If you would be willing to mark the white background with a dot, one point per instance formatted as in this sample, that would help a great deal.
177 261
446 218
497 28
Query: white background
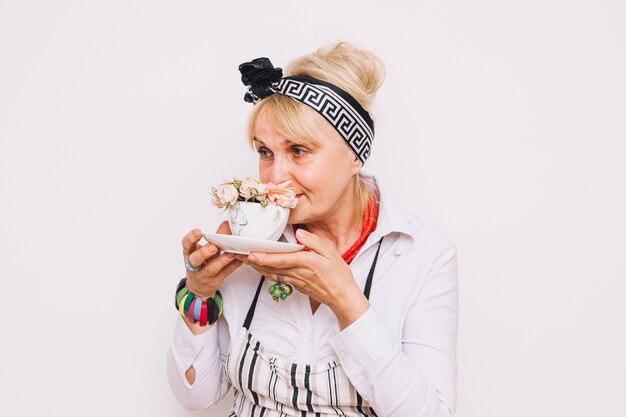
502 122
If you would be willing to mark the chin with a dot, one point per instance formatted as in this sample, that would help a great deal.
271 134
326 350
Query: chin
294 218
297 216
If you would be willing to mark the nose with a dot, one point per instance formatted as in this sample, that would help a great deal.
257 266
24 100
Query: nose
280 170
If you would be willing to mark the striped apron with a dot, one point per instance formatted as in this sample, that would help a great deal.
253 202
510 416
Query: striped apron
267 386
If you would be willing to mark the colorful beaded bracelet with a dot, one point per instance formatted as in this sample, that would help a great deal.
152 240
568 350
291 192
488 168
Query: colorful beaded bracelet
195 308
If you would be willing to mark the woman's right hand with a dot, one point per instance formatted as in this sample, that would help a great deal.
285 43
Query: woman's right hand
215 267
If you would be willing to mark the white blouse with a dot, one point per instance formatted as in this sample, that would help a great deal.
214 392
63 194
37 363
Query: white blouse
400 355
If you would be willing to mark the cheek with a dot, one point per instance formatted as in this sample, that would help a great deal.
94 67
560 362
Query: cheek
325 181
264 173
314 179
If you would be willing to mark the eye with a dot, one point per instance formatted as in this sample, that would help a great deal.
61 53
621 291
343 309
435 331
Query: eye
263 152
299 151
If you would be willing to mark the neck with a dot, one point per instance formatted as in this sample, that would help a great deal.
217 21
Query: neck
343 227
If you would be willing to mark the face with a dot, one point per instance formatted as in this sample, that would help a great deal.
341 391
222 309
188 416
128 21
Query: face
320 175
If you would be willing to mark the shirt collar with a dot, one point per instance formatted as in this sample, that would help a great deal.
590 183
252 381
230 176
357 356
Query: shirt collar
391 219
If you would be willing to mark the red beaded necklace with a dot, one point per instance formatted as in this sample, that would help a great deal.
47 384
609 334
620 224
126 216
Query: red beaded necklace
370 219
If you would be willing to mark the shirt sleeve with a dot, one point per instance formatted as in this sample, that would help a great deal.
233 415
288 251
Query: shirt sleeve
414 376
203 352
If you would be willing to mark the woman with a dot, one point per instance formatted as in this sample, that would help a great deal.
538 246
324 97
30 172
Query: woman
370 328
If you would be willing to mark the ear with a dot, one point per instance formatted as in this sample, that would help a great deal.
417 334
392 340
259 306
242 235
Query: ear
356 165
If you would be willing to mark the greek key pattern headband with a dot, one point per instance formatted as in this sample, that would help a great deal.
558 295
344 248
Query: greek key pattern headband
338 107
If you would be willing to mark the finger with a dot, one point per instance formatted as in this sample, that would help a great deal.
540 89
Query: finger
241 257
190 241
267 273
214 266
316 244
223 229
202 254
278 260
295 282
228 269
264 270
274 277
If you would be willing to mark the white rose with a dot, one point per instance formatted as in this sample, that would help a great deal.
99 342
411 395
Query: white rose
228 194
287 201
260 192
260 188
247 186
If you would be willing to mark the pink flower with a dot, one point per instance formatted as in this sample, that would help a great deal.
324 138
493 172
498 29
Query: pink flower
227 194
250 188
287 201
281 195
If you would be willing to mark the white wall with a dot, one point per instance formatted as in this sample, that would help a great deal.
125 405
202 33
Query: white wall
503 122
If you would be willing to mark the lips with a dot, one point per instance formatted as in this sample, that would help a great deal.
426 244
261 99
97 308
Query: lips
299 195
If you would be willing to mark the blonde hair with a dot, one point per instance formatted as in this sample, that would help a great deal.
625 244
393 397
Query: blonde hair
357 71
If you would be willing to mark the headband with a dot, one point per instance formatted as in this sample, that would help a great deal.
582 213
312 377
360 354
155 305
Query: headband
337 106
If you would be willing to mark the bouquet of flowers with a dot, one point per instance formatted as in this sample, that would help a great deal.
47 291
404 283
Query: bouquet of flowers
251 190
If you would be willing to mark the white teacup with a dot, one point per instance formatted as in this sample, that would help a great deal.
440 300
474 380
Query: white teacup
248 219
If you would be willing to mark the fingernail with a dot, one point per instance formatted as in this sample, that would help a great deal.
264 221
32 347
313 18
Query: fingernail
301 232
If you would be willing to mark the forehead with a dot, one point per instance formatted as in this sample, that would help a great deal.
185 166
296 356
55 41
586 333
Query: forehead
300 124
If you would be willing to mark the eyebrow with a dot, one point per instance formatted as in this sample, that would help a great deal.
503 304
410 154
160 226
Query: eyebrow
255 139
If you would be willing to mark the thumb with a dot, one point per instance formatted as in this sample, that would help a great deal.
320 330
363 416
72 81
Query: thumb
224 228
313 242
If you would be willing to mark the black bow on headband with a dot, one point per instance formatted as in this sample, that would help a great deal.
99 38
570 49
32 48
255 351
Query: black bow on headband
259 74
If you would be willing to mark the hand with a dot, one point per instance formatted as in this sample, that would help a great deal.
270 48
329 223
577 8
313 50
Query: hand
205 282
320 273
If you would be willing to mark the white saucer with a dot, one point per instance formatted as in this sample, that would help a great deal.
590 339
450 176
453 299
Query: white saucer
245 245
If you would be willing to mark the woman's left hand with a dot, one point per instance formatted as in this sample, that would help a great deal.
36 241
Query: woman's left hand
320 273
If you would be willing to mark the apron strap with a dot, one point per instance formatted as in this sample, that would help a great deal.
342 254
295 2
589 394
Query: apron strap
370 276
246 323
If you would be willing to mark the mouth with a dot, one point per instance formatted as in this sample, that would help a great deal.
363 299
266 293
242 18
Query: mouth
299 195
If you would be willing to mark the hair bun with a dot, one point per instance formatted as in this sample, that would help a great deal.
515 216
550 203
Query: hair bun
356 70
